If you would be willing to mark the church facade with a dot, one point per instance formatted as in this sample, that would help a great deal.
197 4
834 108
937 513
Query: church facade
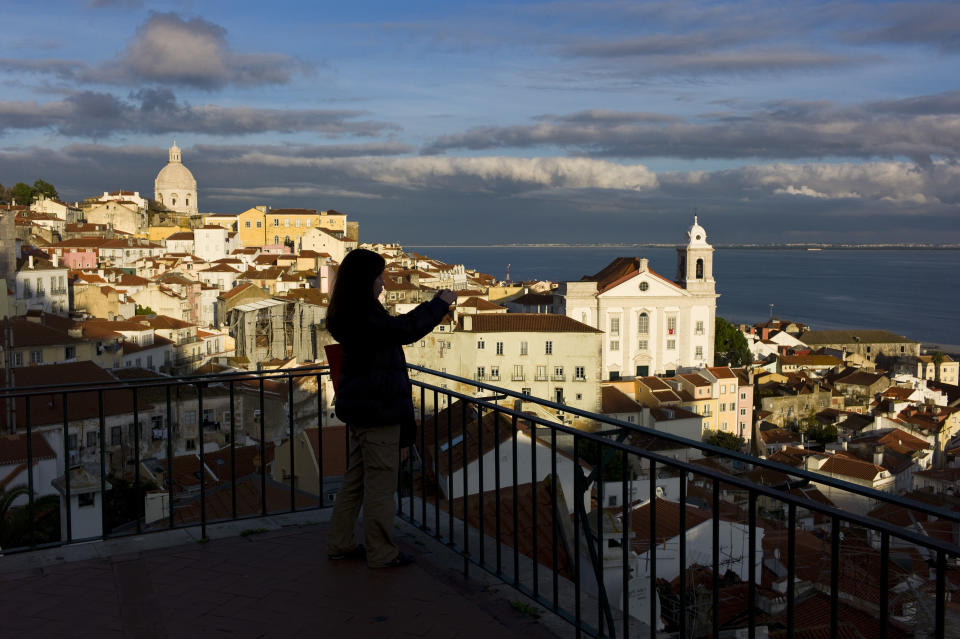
651 325
175 187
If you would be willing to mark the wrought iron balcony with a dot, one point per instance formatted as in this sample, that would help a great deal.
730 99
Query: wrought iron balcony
684 547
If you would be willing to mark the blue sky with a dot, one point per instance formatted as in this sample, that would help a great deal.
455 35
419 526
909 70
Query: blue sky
435 122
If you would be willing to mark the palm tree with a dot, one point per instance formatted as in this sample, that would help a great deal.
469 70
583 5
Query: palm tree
35 523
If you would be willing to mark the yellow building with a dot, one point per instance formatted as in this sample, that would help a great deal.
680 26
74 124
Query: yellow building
261 225
162 232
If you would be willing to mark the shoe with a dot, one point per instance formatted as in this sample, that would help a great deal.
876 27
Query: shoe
402 559
357 553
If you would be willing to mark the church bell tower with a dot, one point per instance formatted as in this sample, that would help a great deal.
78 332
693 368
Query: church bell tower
695 262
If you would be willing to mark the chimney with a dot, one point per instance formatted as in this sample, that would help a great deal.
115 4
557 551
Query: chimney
643 264
467 322
31 260
878 456
56 260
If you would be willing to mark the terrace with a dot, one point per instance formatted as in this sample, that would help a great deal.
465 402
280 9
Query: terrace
609 529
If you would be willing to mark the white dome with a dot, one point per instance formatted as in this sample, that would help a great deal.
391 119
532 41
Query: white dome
175 186
697 235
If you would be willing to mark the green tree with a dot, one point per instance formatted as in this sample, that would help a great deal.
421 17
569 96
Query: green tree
38 523
823 434
591 451
724 440
729 345
22 193
44 188
125 501
144 310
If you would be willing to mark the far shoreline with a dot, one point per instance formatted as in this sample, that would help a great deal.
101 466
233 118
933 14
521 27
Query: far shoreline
785 247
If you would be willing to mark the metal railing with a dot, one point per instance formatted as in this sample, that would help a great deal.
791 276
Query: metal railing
541 520
611 570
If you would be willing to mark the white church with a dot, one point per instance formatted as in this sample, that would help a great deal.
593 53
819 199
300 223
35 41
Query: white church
175 187
652 325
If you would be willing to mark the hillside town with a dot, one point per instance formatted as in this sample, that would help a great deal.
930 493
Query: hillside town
122 287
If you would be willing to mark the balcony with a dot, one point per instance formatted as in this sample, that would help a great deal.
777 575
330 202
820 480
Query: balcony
551 521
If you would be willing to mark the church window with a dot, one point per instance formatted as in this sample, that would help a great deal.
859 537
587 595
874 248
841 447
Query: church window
699 329
297 222
276 239
188 200
643 345
643 324
671 325
699 352
548 347
644 286
671 344
700 268
614 345
614 325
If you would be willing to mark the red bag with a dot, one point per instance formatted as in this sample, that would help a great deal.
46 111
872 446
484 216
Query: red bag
335 359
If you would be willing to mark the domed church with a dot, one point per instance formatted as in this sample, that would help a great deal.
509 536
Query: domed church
175 187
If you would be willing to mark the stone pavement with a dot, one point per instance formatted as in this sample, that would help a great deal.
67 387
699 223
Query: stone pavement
276 582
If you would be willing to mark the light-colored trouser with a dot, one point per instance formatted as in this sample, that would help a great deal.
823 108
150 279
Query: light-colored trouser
370 482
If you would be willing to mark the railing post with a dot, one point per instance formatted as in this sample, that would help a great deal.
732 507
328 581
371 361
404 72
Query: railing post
652 552
293 473
263 451
30 500
169 456
103 464
203 469
233 453
66 466
136 461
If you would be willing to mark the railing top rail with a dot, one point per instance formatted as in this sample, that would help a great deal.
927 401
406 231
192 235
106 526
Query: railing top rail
707 448
160 381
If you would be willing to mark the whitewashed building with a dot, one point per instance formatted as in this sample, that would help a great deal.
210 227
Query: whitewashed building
652 326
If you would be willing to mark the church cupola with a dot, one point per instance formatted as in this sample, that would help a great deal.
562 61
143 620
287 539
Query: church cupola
695 262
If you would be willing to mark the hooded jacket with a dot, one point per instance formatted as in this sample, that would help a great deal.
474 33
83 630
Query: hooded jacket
374 389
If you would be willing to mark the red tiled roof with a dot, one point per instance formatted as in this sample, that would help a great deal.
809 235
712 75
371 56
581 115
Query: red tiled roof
613 400
13 448
527 322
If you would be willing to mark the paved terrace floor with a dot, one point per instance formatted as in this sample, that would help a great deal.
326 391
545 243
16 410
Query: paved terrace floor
276 583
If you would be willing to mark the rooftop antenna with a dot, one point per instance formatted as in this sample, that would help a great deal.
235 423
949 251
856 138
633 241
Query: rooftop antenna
508 273
771 312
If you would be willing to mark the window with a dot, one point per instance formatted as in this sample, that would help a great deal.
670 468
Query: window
72 441
86 500
699 329
495 372
579 372
523 348
92 438
518 372
70 352
276 221
36 357
743 411
276 239
189 417
698 352
579 395
246 224
286 221
115 436
481 373
671 325
480 344
743 395
39 287
643 324
558 371
614 325
643 345
296 222
644 286
541 373
548 348
259 224
671 344
526 391
190 444
499 348
307 223
614 345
